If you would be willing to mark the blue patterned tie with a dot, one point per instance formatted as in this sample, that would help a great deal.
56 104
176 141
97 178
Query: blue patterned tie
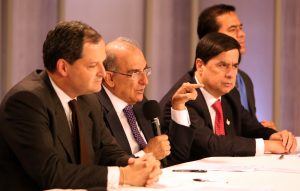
242 89
128 110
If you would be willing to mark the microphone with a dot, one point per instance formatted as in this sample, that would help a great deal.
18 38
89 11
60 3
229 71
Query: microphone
151 112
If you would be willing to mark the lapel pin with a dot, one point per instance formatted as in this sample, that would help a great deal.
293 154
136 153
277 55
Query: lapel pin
227 122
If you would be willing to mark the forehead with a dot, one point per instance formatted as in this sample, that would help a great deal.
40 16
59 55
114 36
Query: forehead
131 59
228 57
228 19
92 49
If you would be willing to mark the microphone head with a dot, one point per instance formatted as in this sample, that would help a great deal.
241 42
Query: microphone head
151 109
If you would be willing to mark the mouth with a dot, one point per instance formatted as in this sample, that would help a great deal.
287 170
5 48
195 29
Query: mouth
228 84
141 91
242 43
99 80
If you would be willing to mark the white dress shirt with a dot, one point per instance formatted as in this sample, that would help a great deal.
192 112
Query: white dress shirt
119 105
210 100
113 174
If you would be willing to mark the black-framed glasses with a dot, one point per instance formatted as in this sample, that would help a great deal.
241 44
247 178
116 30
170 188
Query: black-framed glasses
135 74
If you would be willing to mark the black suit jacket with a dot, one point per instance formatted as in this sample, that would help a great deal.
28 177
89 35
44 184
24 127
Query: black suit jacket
249 92
113 123
35 141
199 141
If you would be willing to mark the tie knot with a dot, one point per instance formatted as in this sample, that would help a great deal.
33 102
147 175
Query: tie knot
73 104
128 109
217 105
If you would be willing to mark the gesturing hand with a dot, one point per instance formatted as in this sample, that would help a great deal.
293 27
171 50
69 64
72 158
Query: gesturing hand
185 93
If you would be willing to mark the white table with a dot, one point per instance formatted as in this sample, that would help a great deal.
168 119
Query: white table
266 172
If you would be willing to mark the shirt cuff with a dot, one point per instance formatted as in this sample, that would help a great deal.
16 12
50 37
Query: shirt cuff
113 177
139 154
181 117
260 147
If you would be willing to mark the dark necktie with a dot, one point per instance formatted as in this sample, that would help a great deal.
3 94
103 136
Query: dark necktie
242 90
128 111
79 135
219 122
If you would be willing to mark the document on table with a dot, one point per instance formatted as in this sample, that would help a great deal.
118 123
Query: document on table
288 164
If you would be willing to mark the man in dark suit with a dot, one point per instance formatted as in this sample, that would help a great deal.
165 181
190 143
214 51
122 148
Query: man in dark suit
229 130
125 83
39 141
223 18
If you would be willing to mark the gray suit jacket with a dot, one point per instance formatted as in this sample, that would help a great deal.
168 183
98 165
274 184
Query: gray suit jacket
35 141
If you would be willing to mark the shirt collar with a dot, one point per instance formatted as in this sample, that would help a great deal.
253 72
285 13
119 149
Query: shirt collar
117 103
210 99
63 97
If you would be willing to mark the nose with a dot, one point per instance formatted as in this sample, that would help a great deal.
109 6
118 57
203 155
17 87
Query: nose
231 71
143 78
241 33
101 70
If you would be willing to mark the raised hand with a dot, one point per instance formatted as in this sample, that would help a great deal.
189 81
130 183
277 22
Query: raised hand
185 93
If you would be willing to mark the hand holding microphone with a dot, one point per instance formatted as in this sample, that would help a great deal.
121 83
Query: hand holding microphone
158 145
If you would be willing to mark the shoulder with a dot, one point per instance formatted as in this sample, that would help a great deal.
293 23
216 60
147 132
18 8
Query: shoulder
233 97
245 76
33 88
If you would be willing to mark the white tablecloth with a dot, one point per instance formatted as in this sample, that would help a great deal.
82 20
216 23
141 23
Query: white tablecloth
266 172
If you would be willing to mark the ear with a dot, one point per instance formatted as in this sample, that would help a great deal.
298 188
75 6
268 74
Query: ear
62 67
109 80
199 65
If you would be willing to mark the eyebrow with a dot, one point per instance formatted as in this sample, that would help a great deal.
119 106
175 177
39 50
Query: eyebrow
137 70
236 26
223 62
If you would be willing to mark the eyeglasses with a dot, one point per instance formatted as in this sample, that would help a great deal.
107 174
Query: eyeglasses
135 74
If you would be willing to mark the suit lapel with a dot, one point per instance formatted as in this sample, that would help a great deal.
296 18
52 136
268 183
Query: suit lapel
199 104
113 123
62 125
203 108
228 116
144 124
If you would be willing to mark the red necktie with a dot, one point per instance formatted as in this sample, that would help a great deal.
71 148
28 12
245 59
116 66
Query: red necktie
219 122
79 135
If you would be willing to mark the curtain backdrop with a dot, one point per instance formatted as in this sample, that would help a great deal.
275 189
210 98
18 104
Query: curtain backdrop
165 29
290 67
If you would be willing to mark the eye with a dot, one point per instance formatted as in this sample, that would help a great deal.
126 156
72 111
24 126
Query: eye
223 65
235 66
93 65
232 30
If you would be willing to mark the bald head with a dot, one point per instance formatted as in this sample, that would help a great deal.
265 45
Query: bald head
118 50
127 71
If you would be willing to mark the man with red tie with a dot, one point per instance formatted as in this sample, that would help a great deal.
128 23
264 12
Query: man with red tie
219 124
